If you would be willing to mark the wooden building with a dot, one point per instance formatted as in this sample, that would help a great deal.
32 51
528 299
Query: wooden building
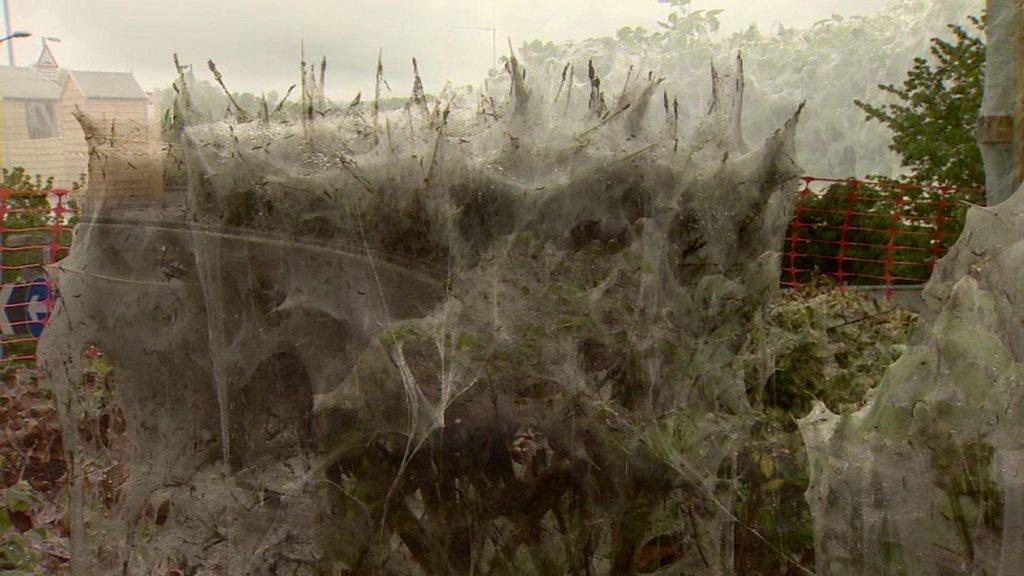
39 130
122 134
30 125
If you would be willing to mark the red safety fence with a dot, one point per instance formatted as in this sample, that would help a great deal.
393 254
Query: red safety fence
35 230
858 232
873 233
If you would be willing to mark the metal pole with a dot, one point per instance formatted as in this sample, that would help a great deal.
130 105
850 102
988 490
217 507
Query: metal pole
7 32
493 29
1017 75
999 124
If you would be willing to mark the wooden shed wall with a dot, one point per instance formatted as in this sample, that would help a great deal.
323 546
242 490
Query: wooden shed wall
76 153
45 156
128 159
129 165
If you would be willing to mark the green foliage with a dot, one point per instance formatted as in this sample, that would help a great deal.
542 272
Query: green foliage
828 65
688 24
18 556
935 111
29 222
832 346
920 222
774 521
932 121
826 345
29 213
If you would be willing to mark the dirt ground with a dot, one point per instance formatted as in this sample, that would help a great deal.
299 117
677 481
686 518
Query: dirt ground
33 478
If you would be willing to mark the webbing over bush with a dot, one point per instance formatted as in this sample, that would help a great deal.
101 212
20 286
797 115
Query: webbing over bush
858 232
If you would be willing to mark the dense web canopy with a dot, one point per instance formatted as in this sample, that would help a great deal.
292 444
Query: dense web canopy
519 330
468 336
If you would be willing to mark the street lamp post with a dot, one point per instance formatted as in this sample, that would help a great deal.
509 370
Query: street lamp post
7 30
1000 128
16 34
9 34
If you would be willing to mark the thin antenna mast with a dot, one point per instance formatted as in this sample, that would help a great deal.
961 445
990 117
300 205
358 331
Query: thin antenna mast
493 29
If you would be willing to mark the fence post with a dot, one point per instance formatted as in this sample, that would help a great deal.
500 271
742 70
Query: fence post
890 246
55 234
794 238
940 218
851 200
3 247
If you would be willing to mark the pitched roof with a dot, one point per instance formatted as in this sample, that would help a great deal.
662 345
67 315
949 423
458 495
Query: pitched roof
46 58
116 85
26 84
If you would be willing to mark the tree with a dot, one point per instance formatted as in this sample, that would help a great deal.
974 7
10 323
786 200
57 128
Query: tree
893 233
936 109
687 23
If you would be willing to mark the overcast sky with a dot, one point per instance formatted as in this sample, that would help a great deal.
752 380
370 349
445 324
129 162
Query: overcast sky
256 42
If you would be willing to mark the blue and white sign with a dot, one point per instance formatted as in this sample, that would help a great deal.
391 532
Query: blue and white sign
25 307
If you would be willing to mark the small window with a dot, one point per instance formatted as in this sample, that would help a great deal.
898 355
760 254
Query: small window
42 122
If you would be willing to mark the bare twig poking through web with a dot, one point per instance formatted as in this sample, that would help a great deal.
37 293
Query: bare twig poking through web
184 105
280 105
675 123
435 115
568 93
605 121
636 119
520 93
624 94
407 110
242 114
376 95
671 118
303 93
597 106
322 88
314 90
562 83
599 111
437 145
418 97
